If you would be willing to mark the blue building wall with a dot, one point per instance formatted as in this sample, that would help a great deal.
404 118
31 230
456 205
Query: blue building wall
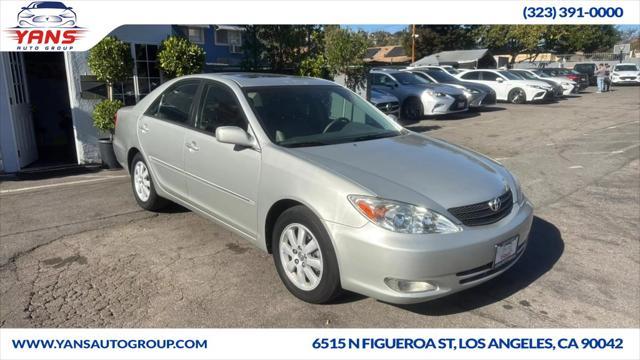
214 54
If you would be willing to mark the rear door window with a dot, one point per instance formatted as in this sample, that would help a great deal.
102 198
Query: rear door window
176 103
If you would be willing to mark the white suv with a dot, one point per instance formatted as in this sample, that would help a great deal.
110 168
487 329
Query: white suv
509 87
625 74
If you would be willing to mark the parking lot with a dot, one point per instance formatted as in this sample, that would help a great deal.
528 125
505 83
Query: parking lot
77 251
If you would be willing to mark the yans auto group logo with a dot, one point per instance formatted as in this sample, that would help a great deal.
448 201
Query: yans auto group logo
46 25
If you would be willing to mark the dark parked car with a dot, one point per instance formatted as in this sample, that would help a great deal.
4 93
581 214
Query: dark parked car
588 69
581 79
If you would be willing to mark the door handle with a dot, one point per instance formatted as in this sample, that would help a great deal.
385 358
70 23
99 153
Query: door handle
192 146
144 128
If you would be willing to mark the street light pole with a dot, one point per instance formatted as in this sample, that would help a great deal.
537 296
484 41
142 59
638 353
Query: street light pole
413 43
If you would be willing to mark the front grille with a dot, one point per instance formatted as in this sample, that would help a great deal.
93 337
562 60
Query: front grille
388 107
628 78
490 99
459 99
481 214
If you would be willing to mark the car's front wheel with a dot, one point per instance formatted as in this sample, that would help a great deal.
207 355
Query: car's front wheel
304 256
143 188
517 96
412 109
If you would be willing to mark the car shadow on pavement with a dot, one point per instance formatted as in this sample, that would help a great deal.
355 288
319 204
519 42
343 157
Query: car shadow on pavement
425 128
543 251
488 109
173 208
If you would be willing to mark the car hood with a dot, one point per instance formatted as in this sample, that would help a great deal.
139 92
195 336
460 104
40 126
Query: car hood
443 88
378 97
530 82
625 73
413 168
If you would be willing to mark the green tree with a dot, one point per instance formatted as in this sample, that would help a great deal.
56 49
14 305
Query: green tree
345 51
314 66
512 39
110 61
179 56
431 39
282 48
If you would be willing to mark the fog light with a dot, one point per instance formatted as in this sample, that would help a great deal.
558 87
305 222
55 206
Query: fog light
409 285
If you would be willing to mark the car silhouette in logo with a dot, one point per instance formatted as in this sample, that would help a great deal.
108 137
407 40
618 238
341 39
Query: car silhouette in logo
47 14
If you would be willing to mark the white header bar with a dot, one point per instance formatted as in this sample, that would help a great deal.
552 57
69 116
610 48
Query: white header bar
97 18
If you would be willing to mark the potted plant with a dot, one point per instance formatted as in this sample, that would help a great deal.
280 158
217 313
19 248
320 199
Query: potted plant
104 116
110 61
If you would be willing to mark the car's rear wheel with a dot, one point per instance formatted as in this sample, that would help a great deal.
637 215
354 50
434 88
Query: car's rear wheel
517 96
412 109
304 256
143 187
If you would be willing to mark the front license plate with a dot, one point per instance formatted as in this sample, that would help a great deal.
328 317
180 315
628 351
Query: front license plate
505 250
461 104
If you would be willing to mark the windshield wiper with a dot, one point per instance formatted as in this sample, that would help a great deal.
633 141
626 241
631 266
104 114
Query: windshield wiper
304 144
374 136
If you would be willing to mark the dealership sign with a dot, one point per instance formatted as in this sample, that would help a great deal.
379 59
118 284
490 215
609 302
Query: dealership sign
45 26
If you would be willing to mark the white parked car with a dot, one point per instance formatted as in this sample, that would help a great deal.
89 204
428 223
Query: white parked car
625 74
510 87
568 86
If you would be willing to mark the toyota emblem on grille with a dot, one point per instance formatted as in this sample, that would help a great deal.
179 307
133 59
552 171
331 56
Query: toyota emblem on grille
495 204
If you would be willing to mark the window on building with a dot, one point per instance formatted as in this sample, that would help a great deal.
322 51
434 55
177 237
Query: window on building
146 68
228 37
196 35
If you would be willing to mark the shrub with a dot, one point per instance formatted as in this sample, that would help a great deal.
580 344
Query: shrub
110 61
179 56
104 115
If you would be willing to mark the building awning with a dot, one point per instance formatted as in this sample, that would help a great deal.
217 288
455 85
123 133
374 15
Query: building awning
230 27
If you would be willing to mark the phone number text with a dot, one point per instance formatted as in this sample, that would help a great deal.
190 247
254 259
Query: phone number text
553 12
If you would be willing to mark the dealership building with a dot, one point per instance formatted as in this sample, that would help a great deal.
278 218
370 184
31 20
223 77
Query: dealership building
46 98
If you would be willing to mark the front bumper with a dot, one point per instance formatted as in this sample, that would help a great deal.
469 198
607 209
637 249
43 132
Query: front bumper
626 80
482 99
444 104
451 262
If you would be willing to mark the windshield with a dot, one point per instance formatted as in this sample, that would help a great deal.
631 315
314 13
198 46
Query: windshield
542 74
407 78
625 68
509 75
526 75
315 115
442 77
451 70
48 5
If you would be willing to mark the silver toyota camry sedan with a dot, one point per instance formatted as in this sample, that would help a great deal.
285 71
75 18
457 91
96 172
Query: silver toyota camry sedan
341 195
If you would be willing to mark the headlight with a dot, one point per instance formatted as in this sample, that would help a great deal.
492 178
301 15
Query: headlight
402 217
474 91
566 85
518 189
26 14
615 74
436 94
67 14
540 87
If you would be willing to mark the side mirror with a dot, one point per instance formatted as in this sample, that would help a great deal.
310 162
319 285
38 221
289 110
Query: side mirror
234 135
69 8
500 80
24 8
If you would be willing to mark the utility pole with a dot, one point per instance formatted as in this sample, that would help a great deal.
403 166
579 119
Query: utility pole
413 43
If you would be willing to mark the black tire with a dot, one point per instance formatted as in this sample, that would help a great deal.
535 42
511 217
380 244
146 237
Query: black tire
517 96
154 201
329 286
412 109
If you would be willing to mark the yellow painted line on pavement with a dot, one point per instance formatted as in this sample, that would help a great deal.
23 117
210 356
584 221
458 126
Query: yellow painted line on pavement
61 184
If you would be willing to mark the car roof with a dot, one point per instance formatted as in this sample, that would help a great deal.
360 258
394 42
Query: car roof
245 79
636 65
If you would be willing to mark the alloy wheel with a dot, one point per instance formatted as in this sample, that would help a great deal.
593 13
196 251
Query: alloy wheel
301 256
142 181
